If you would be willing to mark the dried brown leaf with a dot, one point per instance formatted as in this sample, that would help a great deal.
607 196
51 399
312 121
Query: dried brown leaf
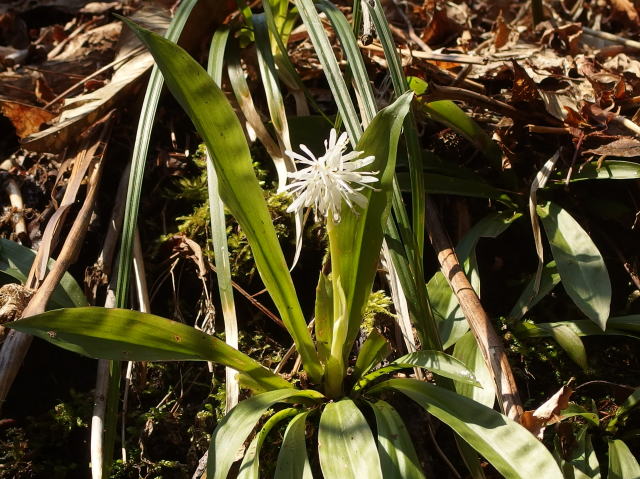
26 119
625 11
548 413
501 32
524 89
623 147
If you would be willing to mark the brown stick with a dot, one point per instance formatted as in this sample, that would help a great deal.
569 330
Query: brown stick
489 342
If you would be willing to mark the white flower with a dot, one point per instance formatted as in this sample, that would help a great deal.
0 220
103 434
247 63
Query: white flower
327 180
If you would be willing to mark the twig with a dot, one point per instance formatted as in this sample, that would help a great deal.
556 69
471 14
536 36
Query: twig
612 38
488 341
551 130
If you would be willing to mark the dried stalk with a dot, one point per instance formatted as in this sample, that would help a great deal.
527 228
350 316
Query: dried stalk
17 205
489 342
104 265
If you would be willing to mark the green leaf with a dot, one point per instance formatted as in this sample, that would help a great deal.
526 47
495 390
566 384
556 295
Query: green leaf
610 170
580 264
217 123
583 457
574 410
508 446
293 462
616 326
548 280
623 411
452 116
438 362
330 67
324 316
467 351
361 82
345 443
622 463
16 260
355 241
374 350
233 429
126 335
250 467
570 342
398 457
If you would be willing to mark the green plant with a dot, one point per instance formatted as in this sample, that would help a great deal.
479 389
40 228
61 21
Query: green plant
336 399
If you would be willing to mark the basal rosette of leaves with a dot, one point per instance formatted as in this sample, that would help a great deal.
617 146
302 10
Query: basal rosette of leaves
336 401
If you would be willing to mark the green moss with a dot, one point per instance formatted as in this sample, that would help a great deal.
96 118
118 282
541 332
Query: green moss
377 309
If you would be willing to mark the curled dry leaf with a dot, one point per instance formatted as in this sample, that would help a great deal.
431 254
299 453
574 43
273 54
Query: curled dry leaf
548 413
26 119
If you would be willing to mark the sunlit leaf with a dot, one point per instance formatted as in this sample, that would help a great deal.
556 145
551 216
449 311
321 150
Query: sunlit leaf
293 461
346 446
508 446
398 457
217 123
582 270
233 429
438 362
622 462
126 335
467 351
356 240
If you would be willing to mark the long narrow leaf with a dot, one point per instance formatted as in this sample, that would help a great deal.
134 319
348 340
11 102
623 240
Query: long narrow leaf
622 463
331 69
250 467
398 457
467 351
356 240
218 125
125 335
508 446
293 461
582 270
219 231
234 428
438 362
16 260
345 443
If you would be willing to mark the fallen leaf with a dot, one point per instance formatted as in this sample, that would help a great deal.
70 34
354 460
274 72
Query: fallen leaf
624 148
81 111
625 11
548 413
501 32
26 119
524 89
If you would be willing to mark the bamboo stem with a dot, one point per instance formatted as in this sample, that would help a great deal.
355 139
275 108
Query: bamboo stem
489 342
